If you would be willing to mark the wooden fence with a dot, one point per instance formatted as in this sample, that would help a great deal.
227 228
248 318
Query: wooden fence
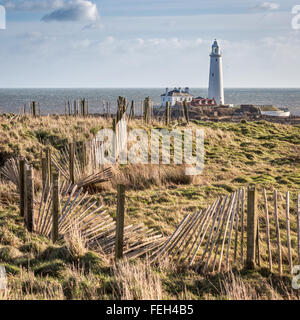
243 229
248 228
63 207
81 108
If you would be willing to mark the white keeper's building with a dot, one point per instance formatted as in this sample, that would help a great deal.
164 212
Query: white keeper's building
176 96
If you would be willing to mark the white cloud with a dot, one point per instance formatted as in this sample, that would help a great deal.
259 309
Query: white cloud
268 6
74 10
61 10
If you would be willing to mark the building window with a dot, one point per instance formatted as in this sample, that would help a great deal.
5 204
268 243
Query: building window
213 74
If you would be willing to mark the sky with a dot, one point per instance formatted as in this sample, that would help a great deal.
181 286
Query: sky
148 43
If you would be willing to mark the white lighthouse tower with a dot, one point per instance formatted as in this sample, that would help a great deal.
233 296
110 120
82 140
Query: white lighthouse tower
216 90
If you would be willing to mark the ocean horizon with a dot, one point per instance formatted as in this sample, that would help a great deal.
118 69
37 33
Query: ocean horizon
53 100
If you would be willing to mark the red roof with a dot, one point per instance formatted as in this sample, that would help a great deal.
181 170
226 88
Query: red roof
203 102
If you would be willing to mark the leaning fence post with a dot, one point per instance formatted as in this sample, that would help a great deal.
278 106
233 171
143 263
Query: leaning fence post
48 160
22 186
55 206
71 162
30 199
251 228
45 178
120 222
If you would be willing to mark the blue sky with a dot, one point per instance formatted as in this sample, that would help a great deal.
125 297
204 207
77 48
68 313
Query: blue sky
148 43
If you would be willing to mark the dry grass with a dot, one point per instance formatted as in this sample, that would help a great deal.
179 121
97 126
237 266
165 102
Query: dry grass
26 286
136 281
75 242
141 177
234 288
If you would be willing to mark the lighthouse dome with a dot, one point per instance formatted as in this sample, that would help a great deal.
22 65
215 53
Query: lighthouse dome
215 44
216 48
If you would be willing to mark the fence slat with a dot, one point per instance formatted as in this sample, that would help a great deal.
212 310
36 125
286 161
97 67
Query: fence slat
288 228
30 199
234 213
237 226
277 233
22 187
55 207
230 212
258 244
221 219
268 230
242 225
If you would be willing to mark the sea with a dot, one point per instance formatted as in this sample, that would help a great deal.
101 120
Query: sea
53 101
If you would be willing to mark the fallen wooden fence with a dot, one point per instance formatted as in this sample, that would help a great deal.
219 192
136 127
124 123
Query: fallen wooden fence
79 165
63 207
213 239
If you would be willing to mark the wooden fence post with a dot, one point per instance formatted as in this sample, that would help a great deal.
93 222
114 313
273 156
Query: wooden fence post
251 228
30 199
120 222
34 108
22 187
147 110
83 107
167 113
132 111
55 206
288 228
71 162
278 233
186 111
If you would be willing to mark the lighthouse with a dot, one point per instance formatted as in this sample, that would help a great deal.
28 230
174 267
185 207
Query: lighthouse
216 90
